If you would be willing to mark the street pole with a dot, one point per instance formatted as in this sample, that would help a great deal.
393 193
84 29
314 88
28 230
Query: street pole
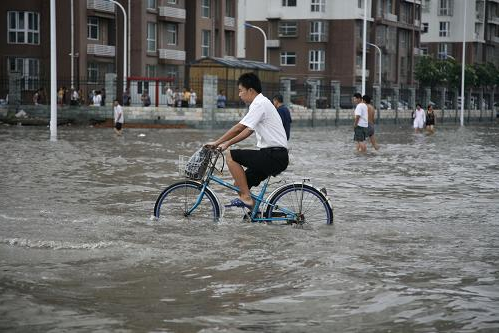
264 39
129 36
53 74
72 48
465 3
364 46
124 41
379 71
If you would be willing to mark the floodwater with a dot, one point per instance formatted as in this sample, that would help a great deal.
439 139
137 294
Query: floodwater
414 246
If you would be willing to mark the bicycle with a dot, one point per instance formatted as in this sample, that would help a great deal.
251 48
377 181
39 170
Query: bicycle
295 203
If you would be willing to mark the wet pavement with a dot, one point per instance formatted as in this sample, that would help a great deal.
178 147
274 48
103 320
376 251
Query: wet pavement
414 246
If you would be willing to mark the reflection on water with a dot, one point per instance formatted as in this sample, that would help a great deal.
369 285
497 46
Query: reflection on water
414 247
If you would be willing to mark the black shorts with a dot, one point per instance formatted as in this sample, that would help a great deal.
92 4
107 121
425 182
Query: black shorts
370 130
118 126
262 163
360 134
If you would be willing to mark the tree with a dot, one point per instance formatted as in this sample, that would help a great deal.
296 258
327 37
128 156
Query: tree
427 72
484 74
450 71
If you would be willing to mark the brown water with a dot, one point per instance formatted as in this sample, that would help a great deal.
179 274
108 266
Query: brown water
414 247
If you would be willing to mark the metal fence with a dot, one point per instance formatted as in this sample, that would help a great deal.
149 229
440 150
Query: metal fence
300 94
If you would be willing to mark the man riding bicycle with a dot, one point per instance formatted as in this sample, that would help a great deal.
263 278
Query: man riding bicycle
272 156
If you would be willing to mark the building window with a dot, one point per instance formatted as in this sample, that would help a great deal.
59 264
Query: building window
92 72
423 51
288 58
316 60
317 31
424 28
289 3
172 2
171 34
444 29
442 50
151 37
150 71
29 69
92 28
151 4
23 27
292 81
229 8
445 7
205 43
288 29
229 43
205 8
172 71
318 6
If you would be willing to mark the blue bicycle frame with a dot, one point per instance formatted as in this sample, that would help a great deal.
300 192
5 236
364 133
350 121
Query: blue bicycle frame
258 200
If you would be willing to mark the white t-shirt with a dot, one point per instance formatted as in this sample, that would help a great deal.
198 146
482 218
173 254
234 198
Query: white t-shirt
361 110
263 118
118 114
97 99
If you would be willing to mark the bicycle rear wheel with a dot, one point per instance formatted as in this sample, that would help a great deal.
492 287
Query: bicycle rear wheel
177 201
309 204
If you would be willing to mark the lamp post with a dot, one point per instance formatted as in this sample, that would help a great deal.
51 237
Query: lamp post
53 74
124 41
465 3
379 71
248 25
364 46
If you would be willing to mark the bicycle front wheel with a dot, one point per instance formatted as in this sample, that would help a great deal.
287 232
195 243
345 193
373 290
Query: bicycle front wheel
308 205
178 202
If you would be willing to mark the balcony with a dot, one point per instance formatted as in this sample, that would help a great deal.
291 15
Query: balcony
273 43
168 54
100 5
229 22
172 12
274 14
390 17
494 20
101 50
495 39
358 72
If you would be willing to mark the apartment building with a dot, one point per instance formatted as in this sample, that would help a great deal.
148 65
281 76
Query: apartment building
164 37
322 40
443 25
212 28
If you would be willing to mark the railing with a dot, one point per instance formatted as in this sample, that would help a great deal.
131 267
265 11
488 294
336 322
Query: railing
171 54
390 17
493 19
100 5
177 13
229 21
101 50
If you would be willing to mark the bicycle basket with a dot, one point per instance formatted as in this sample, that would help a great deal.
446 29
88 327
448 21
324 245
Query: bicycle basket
197 164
